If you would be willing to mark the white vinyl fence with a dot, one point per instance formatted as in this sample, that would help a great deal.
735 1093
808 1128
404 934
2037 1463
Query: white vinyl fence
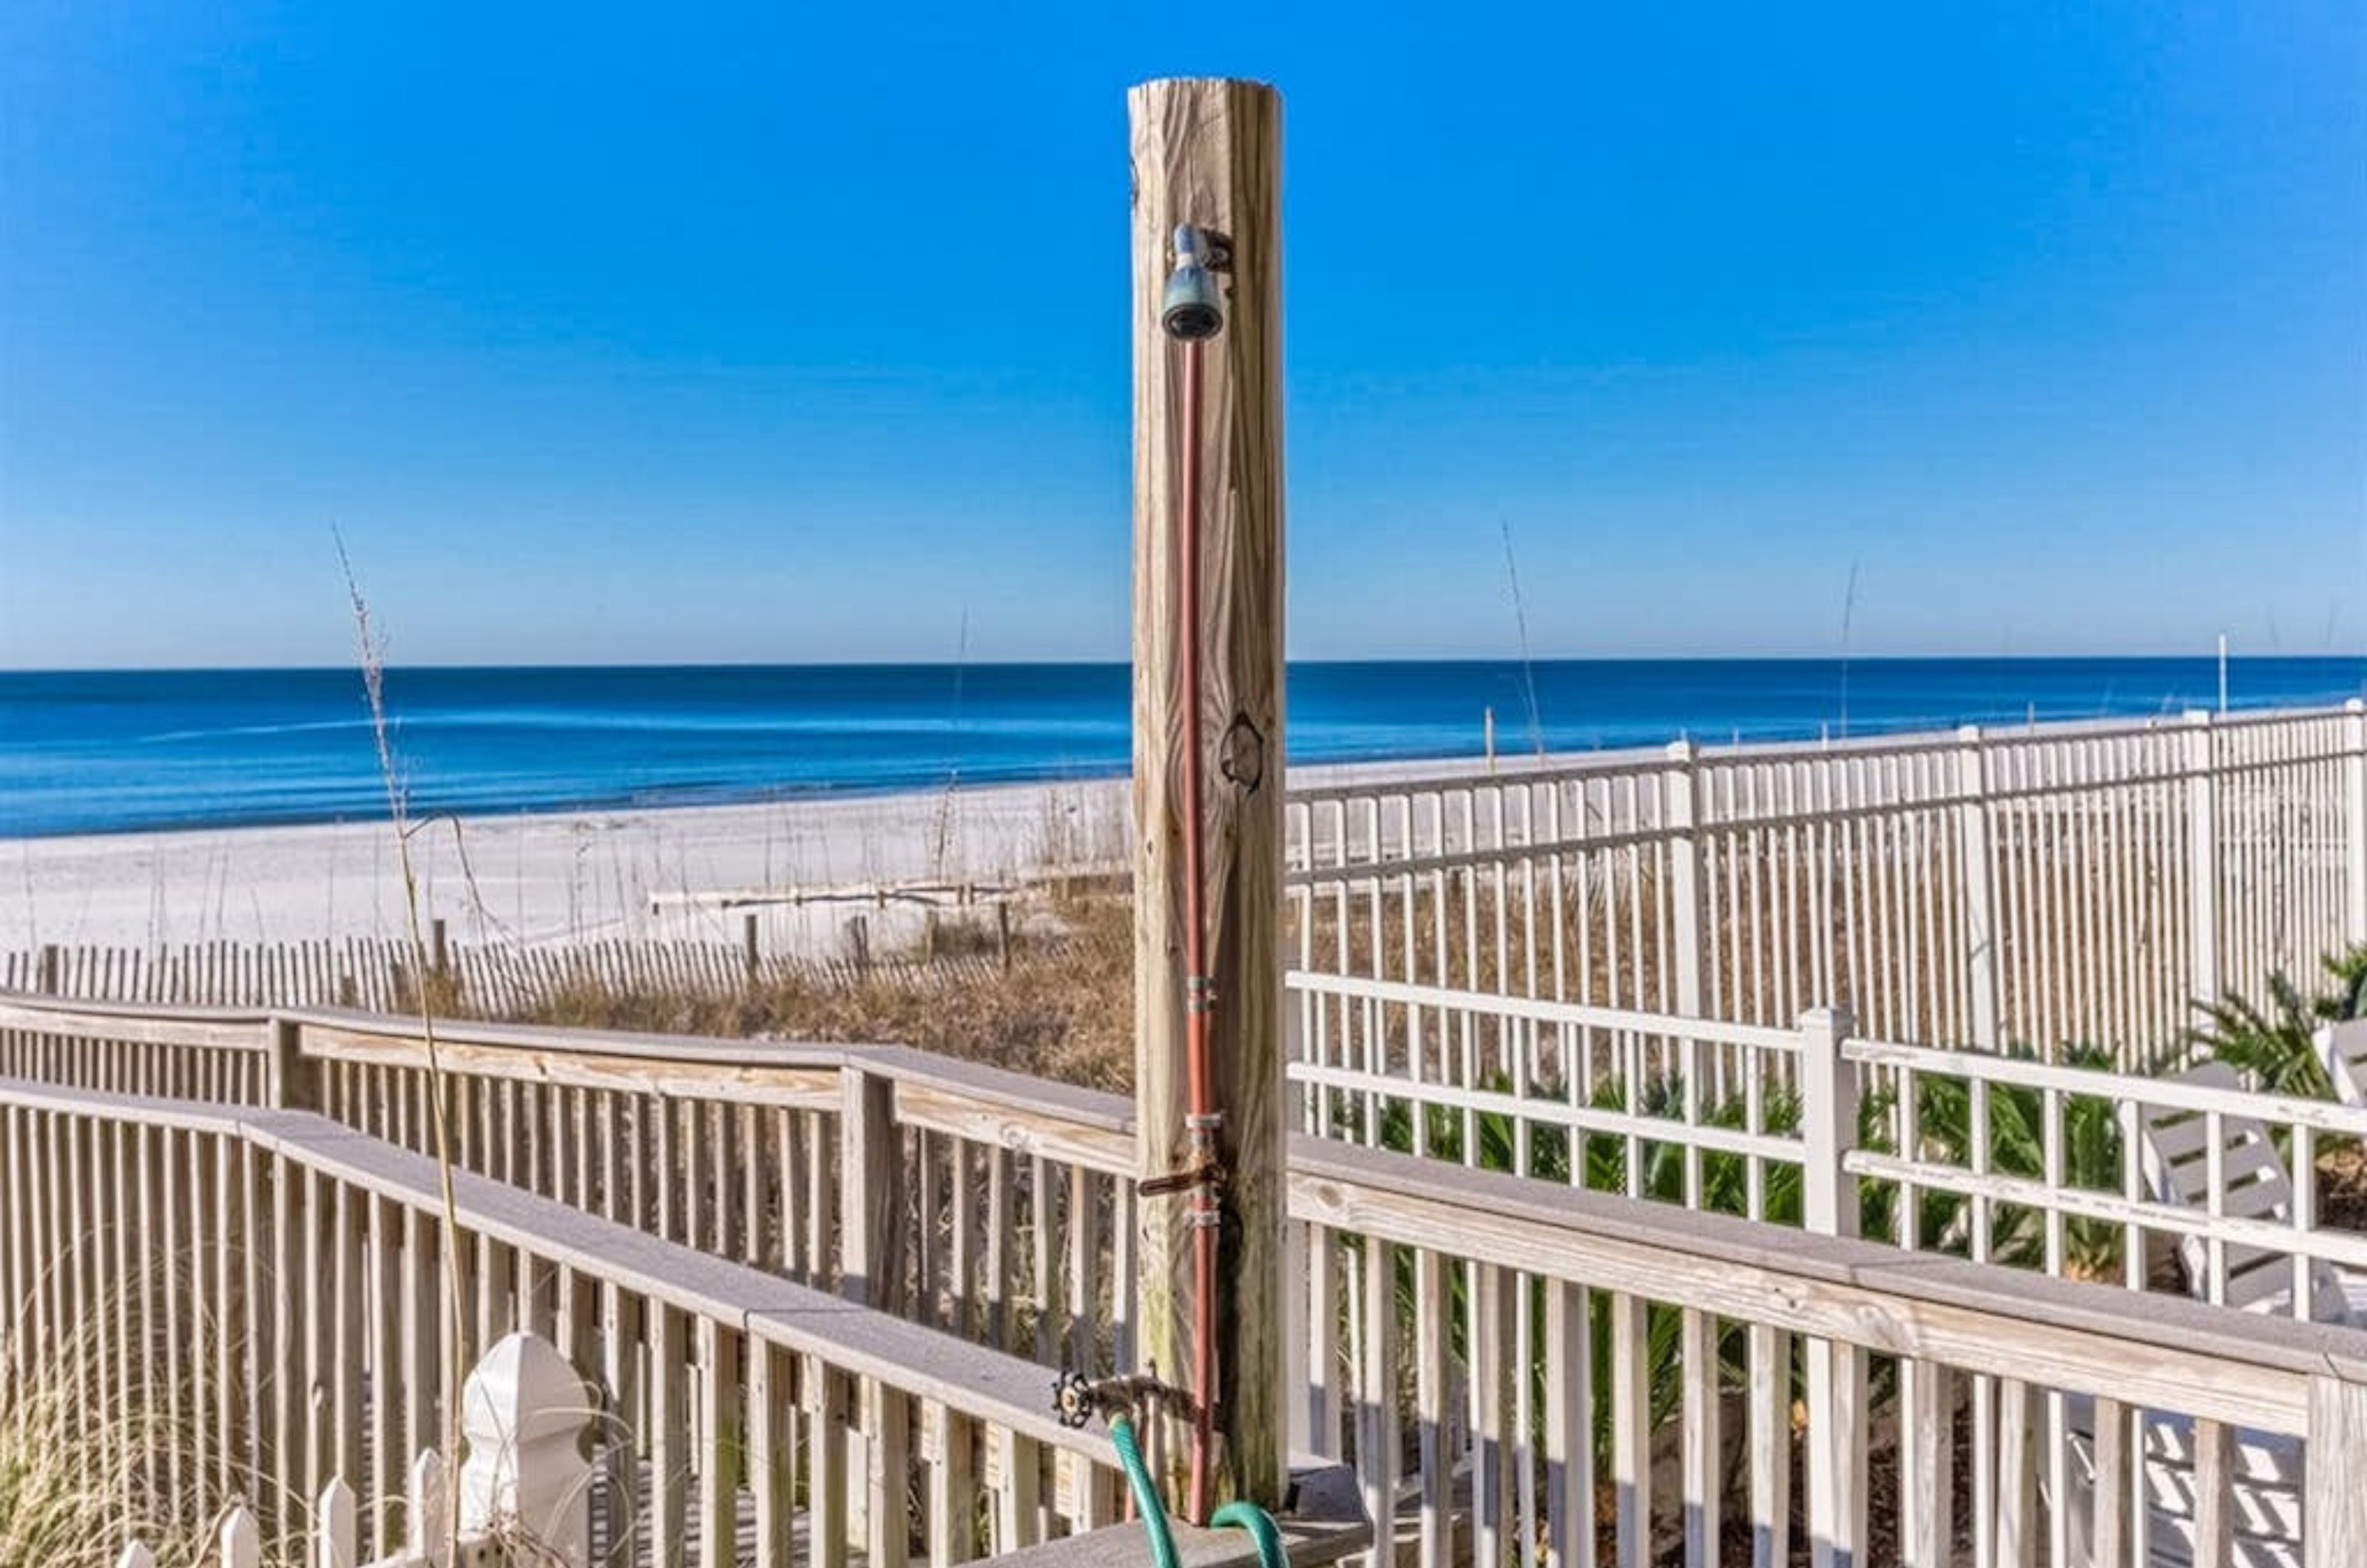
2064 884
1994 1156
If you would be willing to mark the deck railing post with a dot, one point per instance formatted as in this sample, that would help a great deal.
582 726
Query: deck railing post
2354 824
1680 812
290 1083
1828 1121
871 1174
2334 1523
2203 863
1979 893
1836 1441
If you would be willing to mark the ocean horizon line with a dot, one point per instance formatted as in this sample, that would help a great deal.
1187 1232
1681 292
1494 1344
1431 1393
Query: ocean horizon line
2210 658
127 750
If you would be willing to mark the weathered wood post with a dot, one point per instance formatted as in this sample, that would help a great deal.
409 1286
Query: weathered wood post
2335 1517
1207 153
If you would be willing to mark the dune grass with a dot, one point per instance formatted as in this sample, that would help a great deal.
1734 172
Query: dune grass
1063 1008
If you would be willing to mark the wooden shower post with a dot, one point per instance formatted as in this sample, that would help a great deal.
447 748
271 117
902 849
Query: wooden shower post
1207 153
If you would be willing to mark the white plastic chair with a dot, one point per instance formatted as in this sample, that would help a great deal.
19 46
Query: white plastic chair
2176 1157
2343 1048
2264 1530
2266 1468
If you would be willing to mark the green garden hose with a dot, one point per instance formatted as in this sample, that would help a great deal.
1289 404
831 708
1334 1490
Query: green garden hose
1262 1530
1146 1496
1239 1515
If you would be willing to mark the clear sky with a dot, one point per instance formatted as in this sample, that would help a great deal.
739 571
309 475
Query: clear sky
800 332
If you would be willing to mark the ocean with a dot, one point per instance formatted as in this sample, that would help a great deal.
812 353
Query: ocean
124 751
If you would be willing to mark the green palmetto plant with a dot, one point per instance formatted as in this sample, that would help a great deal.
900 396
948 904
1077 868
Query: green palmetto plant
2272 1046
2014 1144
1502 1141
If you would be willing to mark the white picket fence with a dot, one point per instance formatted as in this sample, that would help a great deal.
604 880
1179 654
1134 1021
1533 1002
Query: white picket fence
525 1490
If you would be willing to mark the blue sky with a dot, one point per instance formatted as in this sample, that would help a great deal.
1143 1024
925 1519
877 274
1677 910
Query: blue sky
799 334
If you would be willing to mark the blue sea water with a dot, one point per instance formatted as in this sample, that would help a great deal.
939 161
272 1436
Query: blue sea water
115 751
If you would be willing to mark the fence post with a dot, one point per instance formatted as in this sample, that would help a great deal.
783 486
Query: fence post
2202 866
2334 1507
440 949
1978 874
750 959
289 1082
2334 1520
523 1414
45 970
871 1167
1679 811
1827 1121
2354 827
1837 1426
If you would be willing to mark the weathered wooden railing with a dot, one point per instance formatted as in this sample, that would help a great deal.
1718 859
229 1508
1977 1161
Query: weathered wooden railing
1001 1207
1514 1306
1428 1287
2065 884
1492 1291
951 1193
276 1285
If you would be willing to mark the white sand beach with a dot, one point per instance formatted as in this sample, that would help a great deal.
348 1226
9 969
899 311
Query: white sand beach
539 878
555 877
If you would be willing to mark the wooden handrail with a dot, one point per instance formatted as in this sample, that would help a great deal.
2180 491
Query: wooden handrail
2163 1352
981 1382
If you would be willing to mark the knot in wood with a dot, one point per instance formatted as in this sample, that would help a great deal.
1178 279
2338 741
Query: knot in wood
1241 756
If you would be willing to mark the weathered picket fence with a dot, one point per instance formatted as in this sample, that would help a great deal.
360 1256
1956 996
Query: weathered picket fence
524 1492
490 979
